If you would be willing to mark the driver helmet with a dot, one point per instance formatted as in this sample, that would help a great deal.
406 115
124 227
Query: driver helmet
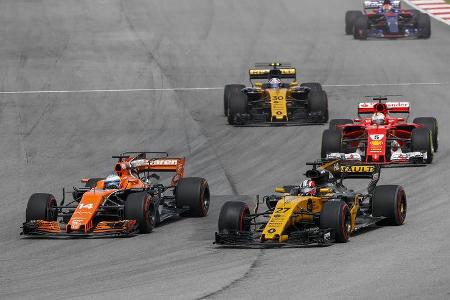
112 182
378 118
387 5
308 187
275 83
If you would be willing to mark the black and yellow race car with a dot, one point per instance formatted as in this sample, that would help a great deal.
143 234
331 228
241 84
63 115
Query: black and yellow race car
322 212
279 100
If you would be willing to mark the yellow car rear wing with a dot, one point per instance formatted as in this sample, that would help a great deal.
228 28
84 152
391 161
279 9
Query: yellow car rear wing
342 169
269 70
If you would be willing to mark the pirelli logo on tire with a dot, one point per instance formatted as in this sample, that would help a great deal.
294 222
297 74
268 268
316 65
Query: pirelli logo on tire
357 169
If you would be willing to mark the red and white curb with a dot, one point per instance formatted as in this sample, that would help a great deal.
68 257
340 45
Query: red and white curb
438 9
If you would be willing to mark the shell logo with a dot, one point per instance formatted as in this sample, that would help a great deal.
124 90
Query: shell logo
376 143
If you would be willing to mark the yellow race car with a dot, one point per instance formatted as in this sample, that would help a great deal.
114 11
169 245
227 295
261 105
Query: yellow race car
319 211
279 100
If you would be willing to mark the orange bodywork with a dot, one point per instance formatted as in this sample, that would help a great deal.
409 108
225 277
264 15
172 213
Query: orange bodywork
82 220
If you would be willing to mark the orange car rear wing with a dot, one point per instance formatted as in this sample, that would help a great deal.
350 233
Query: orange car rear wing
160 164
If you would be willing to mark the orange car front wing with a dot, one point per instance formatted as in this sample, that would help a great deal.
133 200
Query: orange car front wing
103 228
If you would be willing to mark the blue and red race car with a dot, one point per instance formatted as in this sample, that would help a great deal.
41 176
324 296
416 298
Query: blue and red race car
386 19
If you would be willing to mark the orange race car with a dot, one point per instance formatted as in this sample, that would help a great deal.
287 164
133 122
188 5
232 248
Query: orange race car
127 202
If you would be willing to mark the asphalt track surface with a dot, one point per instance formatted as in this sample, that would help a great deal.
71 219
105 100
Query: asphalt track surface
52 140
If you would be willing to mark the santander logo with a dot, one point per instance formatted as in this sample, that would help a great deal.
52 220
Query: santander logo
376 137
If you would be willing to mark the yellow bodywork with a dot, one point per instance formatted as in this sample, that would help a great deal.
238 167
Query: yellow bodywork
295 209
278 104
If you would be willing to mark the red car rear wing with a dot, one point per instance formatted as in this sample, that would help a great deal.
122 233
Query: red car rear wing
387 107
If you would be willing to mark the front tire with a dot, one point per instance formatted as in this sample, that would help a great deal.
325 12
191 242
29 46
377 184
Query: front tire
237 105
389 201
331 142
194 193
229 91
335 122
41 206
424 26
421 141
361 27
431 124
350 17
139 207
233 217
318 99
335 215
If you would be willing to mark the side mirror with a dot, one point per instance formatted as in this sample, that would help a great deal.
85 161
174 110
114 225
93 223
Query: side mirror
280 189
84 180
325 190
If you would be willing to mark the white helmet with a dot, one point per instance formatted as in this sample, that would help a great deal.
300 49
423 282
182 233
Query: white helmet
275 83
308 187
112 182
378 118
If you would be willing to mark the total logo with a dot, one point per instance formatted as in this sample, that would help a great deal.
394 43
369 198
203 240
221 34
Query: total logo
376 137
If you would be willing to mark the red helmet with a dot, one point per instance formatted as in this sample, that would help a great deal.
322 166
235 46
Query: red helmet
308 187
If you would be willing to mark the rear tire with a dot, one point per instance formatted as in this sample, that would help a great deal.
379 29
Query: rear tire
421 141
229 91
424 26
139 207
335 122
389 201
41 206
331 142
233 217
431 124
361 27
318 99
350 17
194 193
237 104
335 215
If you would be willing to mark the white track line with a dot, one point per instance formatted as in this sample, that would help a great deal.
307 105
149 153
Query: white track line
110 91
205 88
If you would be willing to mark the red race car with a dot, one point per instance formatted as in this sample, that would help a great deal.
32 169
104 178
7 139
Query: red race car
382 138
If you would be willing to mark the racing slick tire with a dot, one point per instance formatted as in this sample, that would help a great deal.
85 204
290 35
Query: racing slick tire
194 193
318 99
361 27
233 217
350 17
92 182
422 141
237 104
138 206
335 122
430 123
389 201
331 142
41 206
335 215
229 91
424 26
